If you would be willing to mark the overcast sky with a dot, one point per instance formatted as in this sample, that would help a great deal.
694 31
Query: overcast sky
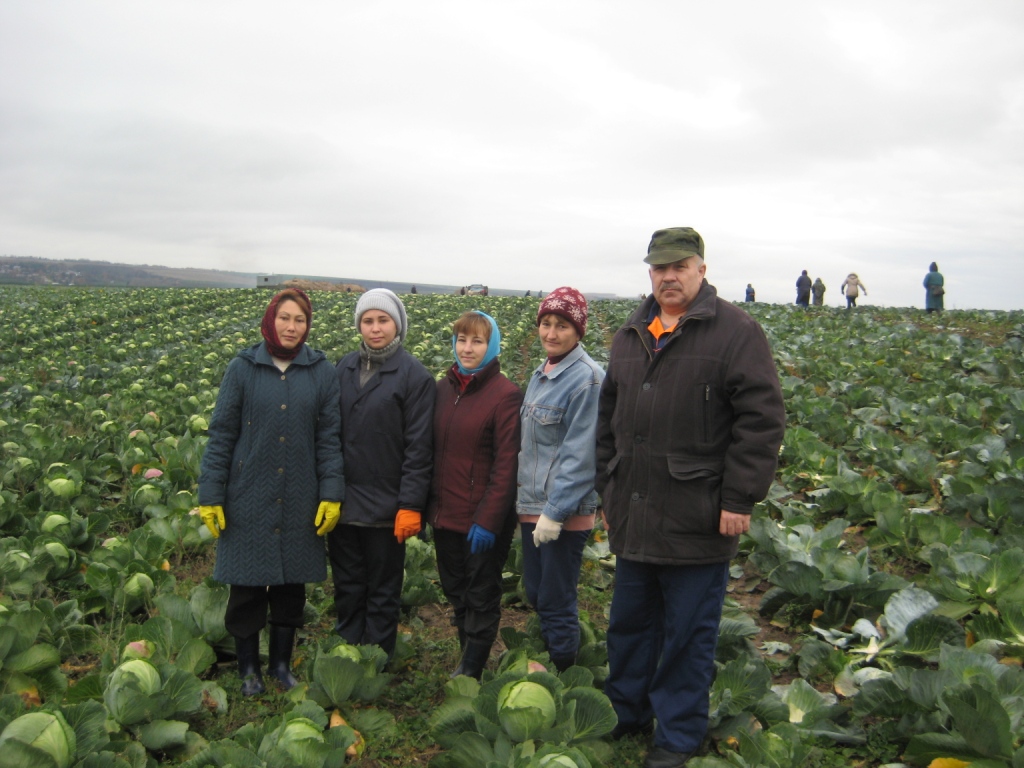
523 144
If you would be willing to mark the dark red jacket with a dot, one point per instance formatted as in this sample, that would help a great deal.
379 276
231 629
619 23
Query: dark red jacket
476 451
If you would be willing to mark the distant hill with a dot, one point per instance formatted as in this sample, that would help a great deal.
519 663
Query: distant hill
32 270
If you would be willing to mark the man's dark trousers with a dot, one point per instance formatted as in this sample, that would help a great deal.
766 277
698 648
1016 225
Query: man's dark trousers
662 634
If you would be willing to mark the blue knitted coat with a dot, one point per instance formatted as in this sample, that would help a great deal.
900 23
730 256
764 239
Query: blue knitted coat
273 454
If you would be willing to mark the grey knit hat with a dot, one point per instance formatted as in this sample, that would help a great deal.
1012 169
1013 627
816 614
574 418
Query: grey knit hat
386 301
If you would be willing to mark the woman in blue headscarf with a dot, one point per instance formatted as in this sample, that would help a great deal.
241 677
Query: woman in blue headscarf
473 492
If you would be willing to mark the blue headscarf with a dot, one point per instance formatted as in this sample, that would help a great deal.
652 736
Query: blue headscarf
493 347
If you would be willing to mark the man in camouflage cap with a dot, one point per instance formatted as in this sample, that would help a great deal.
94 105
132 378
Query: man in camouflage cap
689 426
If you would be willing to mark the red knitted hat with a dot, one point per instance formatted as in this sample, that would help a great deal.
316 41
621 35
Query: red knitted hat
568 303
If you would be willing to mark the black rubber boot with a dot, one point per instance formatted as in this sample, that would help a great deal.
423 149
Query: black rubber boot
474 659
279 662
563 663
247 649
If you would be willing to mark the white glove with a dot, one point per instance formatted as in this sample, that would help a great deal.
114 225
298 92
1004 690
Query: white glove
546 530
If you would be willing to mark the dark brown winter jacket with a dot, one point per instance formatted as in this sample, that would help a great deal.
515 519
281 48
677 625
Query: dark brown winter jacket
686 432
476 451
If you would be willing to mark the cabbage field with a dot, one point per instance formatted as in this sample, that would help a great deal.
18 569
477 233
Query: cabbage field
875 615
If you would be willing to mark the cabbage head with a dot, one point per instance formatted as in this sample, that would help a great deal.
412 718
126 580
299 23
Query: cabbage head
346 652
558 761
45 732
297 733
525 709
138 586
139 670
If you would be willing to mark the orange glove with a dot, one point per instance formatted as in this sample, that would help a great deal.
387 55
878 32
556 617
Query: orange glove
407 523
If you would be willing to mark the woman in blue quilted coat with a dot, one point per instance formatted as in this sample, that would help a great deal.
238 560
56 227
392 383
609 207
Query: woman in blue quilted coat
271 484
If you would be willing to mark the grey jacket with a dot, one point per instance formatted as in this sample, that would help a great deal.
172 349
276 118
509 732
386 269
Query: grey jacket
273 454
686 432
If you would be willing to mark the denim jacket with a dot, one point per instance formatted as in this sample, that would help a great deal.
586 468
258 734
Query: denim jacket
558 460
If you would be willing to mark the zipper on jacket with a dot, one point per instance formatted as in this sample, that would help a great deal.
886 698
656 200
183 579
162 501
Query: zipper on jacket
707 411
440 489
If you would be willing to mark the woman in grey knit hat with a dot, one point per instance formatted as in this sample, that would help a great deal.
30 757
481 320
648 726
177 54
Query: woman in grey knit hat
387 409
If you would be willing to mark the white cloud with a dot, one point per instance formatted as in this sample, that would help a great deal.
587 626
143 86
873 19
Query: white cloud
527 145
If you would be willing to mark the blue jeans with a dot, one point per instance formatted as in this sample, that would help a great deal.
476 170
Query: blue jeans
662 633
551 573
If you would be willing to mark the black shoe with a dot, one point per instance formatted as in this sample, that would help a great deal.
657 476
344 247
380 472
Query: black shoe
622 730
474 659
279 661
659 757
562 663
247 649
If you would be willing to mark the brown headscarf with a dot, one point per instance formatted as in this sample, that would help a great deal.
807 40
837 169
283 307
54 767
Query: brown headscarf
269 329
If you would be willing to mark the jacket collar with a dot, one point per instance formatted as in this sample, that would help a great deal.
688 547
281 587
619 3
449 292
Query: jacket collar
702 307
488 372
565 362
391 364
259 354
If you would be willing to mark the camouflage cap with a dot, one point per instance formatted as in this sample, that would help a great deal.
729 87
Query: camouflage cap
674 244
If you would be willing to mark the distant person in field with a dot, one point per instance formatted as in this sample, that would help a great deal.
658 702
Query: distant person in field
387 408
473 491
750 293
690 420
818 292
271 485
803 290
934 289
851 288
557 502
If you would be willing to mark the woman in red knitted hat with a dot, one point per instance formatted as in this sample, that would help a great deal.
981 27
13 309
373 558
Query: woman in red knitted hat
557 501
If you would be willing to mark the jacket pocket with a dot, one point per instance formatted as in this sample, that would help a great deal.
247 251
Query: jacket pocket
693 502
546 424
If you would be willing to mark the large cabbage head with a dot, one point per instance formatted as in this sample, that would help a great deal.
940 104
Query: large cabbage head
297 735
556 760
139 670
345 651
525 709
45 732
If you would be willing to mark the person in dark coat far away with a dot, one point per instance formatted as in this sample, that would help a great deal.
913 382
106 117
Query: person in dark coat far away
934 289
818 291
803 290
271 484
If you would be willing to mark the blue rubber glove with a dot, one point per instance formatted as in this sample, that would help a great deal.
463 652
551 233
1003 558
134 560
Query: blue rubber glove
480 539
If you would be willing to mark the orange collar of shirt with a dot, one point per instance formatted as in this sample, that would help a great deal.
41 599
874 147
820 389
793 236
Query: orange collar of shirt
657 329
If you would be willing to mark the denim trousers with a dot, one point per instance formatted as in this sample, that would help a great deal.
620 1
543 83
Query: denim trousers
551 573
367 566
662 633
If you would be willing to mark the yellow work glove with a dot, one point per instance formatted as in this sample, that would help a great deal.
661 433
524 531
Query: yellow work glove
214 519
327 516
407 523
